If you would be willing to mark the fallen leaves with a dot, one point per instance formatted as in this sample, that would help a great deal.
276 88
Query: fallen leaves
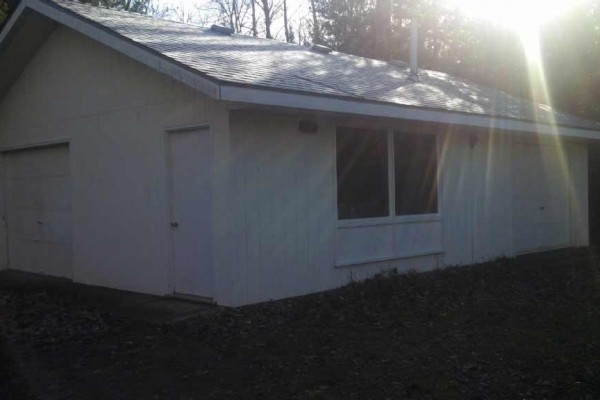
508 329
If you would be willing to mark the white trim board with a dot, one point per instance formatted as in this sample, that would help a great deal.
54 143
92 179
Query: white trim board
35 145
343 106
371 260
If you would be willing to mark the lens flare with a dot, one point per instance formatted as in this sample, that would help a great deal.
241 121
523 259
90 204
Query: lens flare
526 17
523 15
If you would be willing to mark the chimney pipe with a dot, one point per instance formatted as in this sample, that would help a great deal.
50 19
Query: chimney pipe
414 48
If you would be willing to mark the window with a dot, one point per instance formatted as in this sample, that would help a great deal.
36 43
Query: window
362 173
366 184
415 170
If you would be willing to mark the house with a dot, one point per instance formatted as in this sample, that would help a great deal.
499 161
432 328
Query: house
166 158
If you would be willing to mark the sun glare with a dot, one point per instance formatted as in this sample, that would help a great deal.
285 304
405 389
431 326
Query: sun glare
526 16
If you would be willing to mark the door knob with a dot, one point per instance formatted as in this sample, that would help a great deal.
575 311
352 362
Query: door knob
174 224
542 208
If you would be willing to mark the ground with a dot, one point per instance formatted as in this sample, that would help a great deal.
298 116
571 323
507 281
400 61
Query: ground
526 328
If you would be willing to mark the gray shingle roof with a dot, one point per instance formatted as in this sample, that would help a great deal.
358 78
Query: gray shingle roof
270 64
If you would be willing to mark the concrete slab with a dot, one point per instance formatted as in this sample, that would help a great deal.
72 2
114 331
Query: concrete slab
139 306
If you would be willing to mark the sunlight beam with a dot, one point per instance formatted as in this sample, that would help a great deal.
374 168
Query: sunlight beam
521 15
526 18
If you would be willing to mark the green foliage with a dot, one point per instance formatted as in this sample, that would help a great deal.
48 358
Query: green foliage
3 11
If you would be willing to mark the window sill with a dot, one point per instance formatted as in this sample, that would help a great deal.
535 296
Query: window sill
355 263
397 220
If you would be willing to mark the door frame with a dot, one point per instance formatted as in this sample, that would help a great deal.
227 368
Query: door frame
201 127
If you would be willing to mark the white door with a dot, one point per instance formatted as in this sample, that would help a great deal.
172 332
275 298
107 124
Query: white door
38 210
189 164
540 198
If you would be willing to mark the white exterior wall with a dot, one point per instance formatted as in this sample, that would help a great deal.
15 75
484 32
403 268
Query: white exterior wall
286 237
578 202
477 194
287 241
275 231
282 209
113 112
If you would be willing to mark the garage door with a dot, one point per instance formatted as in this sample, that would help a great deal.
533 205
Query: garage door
38 205
540 198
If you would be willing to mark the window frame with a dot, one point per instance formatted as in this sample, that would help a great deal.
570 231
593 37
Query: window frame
392 218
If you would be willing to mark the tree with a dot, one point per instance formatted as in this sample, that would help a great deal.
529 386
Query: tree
183 12
3 11
136 6
304 32
234 13
383 28
316 31
346 25
286 25
254 30
6 7
571 60
270 9
158 10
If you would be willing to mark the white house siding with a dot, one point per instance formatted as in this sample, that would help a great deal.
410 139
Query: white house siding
361 244
287 242
578 204
475 198
285 231
478 215
283 204
113 113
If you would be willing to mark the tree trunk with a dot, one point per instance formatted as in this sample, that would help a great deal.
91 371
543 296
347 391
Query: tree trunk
232 21
316 31
254 31
267 11
285 22
383 31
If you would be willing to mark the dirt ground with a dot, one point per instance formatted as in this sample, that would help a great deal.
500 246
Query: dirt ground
526 329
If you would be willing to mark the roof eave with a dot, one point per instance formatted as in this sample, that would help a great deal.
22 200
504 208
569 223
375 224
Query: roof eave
267 97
